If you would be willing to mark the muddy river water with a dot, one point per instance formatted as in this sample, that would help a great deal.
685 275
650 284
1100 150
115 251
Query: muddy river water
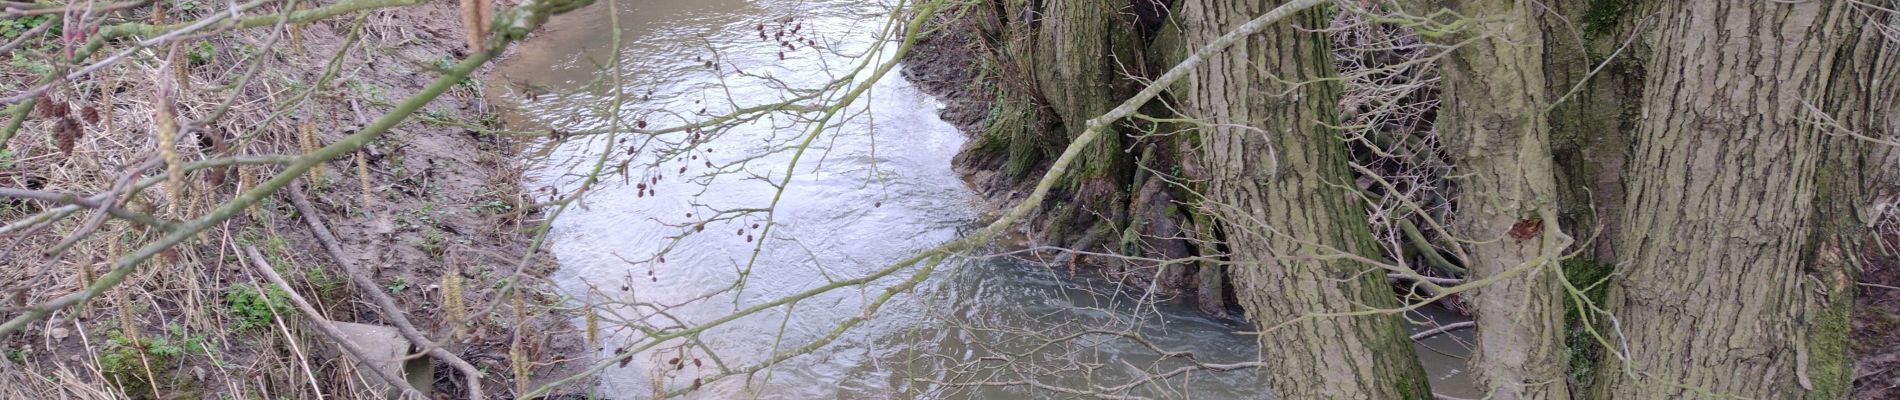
874 188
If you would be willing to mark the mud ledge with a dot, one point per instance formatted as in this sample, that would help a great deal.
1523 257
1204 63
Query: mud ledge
946 63
440 204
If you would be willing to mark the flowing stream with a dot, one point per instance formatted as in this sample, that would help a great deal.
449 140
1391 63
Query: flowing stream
876 187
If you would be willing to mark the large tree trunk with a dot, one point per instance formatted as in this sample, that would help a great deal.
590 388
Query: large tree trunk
1860 168
1594 80
1491 118
1281 191
1078 48
1721 204
1052 65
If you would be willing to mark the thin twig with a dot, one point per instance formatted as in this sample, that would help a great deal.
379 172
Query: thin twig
114 196
26 12
83 202
1876 285
1443 328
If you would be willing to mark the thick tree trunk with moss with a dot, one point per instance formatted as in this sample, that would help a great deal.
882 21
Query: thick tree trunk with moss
1053 65
1724 182
1733 243
1281 193
1860 168
1593 77
1491 118
1077 46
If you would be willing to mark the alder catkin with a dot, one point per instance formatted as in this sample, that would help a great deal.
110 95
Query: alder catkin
517 354
296 38
168 148
593 327
106 92
247 177
86 276
307 137
472 24
362 175
485 10
454 300
127 326
181 69
207 197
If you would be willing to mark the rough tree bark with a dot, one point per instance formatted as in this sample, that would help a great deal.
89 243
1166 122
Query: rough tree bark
1723 185
1491 117
1076 55
1860 169
1052 65
1278 174
1594 80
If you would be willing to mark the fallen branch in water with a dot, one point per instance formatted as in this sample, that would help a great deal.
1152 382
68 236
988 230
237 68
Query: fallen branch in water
1443 329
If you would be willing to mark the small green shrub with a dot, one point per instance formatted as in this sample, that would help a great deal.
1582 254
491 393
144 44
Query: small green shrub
397 286
252 309
202 54
326 286
32 65
121 362
433 242
14 27
184 5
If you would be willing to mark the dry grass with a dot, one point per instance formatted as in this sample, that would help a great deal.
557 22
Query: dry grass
180 326
172 299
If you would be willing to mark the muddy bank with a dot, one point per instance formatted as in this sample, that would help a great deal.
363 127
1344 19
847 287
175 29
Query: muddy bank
433 212
947 63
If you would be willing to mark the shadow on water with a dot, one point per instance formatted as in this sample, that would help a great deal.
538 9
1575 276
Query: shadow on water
880 189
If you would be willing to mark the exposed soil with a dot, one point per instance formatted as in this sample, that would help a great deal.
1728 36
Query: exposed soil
439 201
947 64
1876 335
